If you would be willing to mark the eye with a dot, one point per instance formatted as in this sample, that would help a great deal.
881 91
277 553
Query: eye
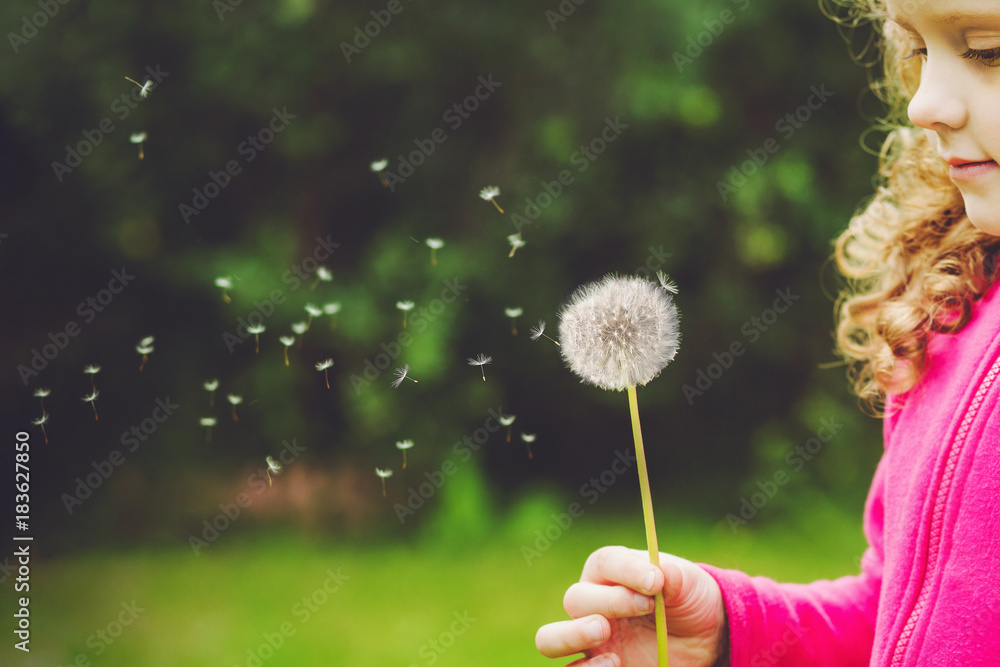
988 57
913 53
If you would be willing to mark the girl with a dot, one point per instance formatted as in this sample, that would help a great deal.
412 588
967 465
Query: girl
921 327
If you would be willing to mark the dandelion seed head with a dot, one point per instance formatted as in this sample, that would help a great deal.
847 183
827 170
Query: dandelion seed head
323 365
383 473
513 312
41 420
255 329
225 282
299 327
331 308
528 437
507 420
137 137
148 340
404 444
90 398
313 310
211 385
536 332
234 399
274 466
379 165
287 341
434 243
207 421
405 305
144 349
91 370
480 360
489 192
42 392
619 332
324 274
516 241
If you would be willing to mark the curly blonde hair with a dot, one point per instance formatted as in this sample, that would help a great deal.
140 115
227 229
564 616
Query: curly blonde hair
914 263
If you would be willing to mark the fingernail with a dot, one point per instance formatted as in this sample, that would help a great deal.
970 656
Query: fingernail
643 602
650 581
595 632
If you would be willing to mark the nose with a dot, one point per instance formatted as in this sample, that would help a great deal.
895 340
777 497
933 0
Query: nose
938 103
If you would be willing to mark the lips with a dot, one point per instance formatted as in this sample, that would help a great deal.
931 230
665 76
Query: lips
961 169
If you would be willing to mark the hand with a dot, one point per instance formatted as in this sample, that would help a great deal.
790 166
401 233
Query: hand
612 609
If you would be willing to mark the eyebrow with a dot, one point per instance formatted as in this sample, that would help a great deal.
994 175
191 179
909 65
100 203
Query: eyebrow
946 19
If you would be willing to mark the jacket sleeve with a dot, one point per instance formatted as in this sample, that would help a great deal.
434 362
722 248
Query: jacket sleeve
821 624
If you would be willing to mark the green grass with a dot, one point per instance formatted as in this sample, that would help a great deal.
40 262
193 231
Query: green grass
396 599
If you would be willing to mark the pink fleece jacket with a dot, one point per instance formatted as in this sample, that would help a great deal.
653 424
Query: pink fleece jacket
929 589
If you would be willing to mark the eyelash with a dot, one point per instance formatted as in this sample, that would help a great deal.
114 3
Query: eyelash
988 57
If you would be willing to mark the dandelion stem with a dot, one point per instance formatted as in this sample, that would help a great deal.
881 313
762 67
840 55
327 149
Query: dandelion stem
497 205
286 355
647 513
93 404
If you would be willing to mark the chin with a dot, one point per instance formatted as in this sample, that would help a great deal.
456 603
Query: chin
984 214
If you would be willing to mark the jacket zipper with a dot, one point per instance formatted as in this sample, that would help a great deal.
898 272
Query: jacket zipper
957 445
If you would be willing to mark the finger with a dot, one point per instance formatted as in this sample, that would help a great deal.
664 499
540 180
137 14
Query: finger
585 598
557 640
628 567
603 660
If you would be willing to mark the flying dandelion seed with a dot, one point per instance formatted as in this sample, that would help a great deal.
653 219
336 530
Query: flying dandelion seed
234 400
507 420
208 423
256 330
299 328
383 474
406 307
513 314
402 374
435 245
313 312
332 309
138 138
539 332
41 393
378 167
528 438
92 371
515 242
404 445
92 399
272 466
145 348
287 342
225 283
481 361
144 88
45 417
490 193
620 333
210 387
322 275
324 366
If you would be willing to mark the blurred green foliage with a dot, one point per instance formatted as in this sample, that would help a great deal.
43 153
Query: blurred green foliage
651 199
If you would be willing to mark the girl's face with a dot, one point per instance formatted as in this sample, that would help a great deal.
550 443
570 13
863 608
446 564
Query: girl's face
959 94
